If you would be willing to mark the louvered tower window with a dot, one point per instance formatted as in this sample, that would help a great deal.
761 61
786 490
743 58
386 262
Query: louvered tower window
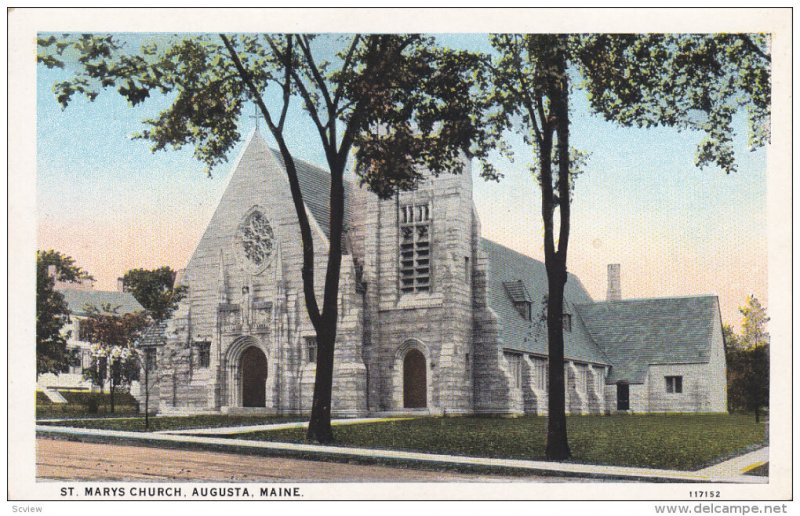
415 248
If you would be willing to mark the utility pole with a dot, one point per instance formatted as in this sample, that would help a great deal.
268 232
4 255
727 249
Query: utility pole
146 390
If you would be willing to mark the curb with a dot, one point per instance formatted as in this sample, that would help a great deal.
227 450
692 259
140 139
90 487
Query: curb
384 457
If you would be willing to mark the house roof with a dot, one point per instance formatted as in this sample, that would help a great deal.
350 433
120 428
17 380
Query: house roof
78 300
315 185
639 332
526 275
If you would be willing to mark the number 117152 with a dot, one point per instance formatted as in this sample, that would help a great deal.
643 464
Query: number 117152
704 494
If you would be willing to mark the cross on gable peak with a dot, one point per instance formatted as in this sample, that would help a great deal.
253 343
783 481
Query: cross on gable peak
256 114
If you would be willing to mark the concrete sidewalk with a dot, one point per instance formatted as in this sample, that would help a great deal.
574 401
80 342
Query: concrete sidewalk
738 466
719 473
233 430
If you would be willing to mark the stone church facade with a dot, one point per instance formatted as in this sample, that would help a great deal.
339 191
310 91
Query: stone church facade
433 319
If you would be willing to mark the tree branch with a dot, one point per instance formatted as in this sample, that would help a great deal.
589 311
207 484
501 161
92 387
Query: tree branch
287 82
526 96
355 119
305 46
561 106
294 187
753 47
347 62
310 106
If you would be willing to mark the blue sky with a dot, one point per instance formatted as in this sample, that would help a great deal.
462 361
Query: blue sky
113 205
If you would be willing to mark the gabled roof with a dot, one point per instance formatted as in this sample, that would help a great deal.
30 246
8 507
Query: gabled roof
78 299
638 332
154 335
315 185
517 291
507 267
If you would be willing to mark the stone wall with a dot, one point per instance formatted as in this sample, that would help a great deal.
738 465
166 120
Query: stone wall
534 398
494 391
696 389
439 323
234 303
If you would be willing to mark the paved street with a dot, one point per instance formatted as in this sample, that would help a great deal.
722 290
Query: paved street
68 460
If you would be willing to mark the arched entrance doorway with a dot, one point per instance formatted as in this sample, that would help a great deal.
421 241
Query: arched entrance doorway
253 366
415 385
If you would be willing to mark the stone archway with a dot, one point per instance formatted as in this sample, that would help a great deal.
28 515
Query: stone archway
415 381
253 367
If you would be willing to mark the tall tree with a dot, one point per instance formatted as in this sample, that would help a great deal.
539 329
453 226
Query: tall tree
114 358
52 313
155 290
748 360
754 324
401 102
685 81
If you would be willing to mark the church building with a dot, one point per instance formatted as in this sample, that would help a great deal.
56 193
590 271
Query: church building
433 318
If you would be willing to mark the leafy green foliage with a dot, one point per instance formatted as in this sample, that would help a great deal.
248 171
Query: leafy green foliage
155 290
51 316
687 81
52 313
685 442
747 357
424 93
754 324
65 267
114 358
423 113
417 93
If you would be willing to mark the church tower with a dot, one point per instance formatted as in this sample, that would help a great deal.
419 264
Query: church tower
418 251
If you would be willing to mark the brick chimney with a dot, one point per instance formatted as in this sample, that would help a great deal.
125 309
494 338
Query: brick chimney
614 283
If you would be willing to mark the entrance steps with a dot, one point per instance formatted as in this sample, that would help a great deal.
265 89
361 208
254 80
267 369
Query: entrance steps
249 411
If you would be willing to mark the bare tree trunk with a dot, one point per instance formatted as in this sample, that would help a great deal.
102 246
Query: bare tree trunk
319 426
146 395
557 444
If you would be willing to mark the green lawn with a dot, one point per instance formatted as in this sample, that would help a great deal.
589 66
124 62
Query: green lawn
136 424
685 442
79 402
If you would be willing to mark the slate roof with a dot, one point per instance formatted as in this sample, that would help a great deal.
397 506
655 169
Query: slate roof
154 335
315 185
78 299
507 266
638 332
629 335
517 291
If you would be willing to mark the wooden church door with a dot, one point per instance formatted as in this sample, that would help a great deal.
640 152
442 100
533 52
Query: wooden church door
254 377
623 396
415 385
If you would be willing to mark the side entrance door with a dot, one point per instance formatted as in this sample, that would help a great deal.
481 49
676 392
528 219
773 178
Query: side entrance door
623 396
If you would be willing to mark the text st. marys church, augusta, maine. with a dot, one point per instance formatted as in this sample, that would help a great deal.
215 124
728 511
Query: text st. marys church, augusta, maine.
433 317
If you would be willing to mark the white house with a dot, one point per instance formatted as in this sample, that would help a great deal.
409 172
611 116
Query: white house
79 297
